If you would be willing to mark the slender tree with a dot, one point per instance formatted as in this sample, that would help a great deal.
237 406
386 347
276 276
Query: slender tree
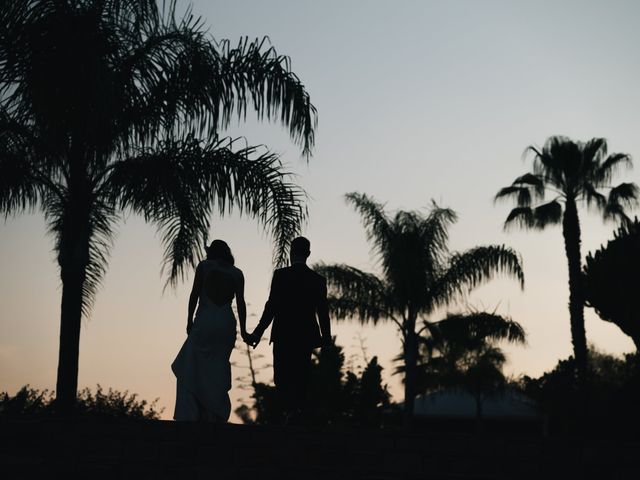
573 173
611 284
418 275
109 106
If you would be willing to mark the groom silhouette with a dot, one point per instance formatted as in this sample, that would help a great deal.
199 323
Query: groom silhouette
297 304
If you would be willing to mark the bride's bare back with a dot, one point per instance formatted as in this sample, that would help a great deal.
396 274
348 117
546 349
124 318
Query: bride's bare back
220 287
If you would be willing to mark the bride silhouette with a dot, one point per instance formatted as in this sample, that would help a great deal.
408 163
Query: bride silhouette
202 366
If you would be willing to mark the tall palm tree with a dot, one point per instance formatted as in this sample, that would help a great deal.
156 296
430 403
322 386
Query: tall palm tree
574 173
418 275
109 106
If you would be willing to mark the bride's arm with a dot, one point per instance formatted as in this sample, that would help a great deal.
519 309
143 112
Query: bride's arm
242 306
193 298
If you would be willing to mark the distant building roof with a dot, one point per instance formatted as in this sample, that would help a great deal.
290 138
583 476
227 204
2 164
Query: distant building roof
461 404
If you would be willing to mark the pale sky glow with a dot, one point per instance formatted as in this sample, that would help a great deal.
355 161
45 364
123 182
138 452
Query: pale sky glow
416 100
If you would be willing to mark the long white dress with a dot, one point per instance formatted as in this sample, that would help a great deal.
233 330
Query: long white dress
202 366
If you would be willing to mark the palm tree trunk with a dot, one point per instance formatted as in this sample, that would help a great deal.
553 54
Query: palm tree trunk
73 258
70 320
410 361
571 234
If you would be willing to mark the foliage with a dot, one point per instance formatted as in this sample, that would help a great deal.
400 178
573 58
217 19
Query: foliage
109 107
26 401
418 274
461 352
573 173
610 277
30 402
137 89
458 350
335 396
612 391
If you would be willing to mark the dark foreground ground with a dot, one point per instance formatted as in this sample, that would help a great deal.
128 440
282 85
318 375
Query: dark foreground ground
170 450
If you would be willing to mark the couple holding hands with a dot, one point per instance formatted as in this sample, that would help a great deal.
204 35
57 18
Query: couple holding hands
298 308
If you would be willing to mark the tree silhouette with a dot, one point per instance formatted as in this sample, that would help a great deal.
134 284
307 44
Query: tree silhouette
419 275
461 351
573 172
611 283
109 106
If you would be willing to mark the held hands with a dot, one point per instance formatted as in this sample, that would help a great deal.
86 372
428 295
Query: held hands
327 343
251 339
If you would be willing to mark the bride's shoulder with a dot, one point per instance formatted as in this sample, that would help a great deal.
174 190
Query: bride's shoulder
237 272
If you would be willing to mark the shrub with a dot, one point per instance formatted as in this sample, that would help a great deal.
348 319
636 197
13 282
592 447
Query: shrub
112 404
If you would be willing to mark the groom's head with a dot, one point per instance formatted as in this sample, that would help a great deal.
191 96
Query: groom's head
300 249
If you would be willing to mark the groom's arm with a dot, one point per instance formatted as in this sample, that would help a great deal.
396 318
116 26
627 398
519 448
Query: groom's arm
269 308
323 315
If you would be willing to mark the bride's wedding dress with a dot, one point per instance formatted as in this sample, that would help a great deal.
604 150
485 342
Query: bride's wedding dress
202 366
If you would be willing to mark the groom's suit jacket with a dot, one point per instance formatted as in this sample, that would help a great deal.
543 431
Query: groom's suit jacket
297 302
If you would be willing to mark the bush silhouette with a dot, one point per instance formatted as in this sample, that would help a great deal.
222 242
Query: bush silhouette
336 396
611 281
112 404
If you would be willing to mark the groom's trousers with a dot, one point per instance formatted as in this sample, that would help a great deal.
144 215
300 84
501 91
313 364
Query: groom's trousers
291 368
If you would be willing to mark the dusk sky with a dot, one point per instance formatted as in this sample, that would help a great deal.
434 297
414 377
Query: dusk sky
417 100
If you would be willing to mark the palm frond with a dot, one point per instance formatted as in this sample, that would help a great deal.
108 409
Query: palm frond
566 161
121 74
479 326
615 212
103 217
435 231
474 267
98 238
592 197
594 152
620 198
253 71
343 308
376 222
355 294
18 188
177 186
521 194
547 214
612 164
524 188
624 194
535 182
545 165
520 216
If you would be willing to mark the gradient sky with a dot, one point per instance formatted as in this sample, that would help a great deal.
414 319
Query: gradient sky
417 100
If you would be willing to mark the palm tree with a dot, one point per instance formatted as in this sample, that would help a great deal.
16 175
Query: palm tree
461 351
610 278
573 172
109 106
419 275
